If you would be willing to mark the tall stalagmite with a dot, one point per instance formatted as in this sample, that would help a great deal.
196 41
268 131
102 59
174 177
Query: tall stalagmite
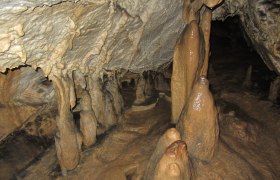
67 139
186 61
198 123
88 122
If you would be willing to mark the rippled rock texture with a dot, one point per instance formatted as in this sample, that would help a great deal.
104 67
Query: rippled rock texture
88 35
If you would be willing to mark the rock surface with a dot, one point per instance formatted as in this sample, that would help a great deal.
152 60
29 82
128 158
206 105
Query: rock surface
88 35
260 22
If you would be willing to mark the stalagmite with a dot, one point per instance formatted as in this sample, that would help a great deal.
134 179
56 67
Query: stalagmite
140 91
186 61
174 164
274 89
248 78
67 139
97 100
145 95
198 122
170 136
88 122
206 29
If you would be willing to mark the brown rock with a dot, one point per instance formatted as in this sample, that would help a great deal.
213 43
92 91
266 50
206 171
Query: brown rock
174 164
170 136
67 139
198 123
88 122
206 29
186 62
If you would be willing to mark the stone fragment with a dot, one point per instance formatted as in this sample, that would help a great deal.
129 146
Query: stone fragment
88 122
174 164
186 61
198 122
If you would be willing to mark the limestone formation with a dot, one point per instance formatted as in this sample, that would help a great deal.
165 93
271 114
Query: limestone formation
191 8
206 29
198 122
67 139
260 22
88 122
186 62
170 136
140 91
24 95
174 164
149 86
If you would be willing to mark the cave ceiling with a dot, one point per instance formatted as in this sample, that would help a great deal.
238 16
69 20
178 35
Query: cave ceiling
135 35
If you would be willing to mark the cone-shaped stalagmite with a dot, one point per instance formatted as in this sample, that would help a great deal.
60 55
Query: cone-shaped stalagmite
170 136
198 122
206 29
88 122
174 164
186 61
67 140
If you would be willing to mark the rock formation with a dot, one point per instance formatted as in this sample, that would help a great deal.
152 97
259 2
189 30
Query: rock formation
88 122
198 123
67 139
83 47
186 61
174 164
170 136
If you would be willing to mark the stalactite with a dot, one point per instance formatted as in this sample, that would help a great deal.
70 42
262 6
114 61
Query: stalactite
186 61
170 136
88 122
97 100
72 90
174 164
198 123
206 29
67 139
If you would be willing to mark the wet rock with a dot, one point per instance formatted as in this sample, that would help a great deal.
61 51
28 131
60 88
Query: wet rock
174 164
198 123
188 57
206 29
170 136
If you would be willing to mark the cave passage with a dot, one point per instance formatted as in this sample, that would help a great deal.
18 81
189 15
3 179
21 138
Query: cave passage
211 114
